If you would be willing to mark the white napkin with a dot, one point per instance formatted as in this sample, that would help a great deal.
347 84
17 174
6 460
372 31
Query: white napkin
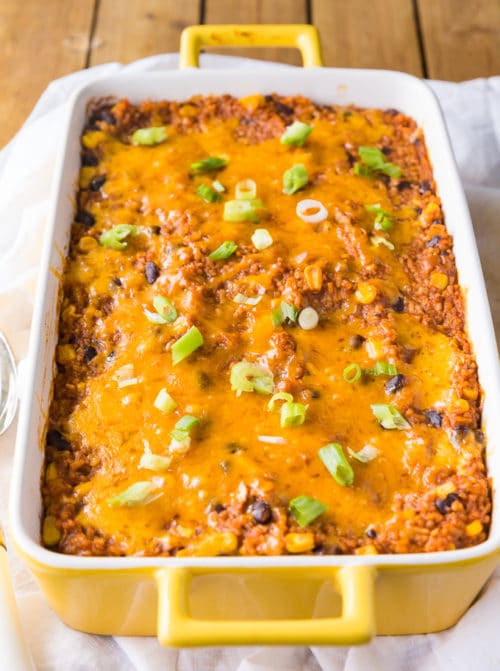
472 114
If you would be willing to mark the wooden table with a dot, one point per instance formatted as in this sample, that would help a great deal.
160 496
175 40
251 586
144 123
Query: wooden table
44 39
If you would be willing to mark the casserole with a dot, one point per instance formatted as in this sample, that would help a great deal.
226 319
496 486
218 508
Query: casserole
280 594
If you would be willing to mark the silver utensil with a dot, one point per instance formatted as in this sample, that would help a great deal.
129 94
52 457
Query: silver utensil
8 386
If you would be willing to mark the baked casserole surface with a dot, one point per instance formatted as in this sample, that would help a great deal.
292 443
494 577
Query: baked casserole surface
262 347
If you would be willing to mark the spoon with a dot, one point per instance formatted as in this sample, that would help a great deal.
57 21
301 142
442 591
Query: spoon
8 386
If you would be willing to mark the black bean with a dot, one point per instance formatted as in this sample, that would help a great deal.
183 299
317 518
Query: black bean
156 230
395 383
89 353
88 158
96 182
102 114
425 186
408 354
85 218
268 98
204 380
261 512
106 116
399 304
434 418
219 508
404 184
315 393
152 272
56 440
433 241
444 505
111 355
371 533
356 341
234 447
117 281
386 151
282 109
479 436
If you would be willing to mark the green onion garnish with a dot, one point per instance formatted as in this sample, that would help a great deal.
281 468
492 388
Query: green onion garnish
294 179
372 161
306 509
365 454
149 136
181 436
225 250
164 401
242 210
208 164
249 377
155 462
186 345
382 368
389 417
165 311
383 219
186 423
280 396
296 134
115 236
245 189
352 373
218 186
208 194
285 311
137 494
378 240
261 238
241 299
292 414
335 461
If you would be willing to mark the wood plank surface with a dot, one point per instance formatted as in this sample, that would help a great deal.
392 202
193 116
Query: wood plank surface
368 34
130 29
461 39
258 11
40 41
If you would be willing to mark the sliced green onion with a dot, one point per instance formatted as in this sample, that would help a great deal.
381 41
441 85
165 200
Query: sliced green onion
218 186
306 509
382 368
389 417
352 373
115 236
336 463
138 494
165 311
242 210
292 414
180 435
383 219
208 194
295 179
280 396
373 160
154 462
285 311
296 134
365 454
225 250
149 136
181 442
261 238
249 377
379 240
154 317
208 164
187 422
245 189
241 299
186 345
308 319
164 401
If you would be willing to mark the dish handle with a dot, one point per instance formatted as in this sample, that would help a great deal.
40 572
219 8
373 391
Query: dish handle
302 36
355 625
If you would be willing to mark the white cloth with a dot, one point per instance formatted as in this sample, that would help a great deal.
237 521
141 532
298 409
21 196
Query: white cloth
472 112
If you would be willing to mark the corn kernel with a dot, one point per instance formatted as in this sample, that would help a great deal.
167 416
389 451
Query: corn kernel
365 293
86 174
91 139
439 280
367 550
408 514
313 276
470 393
461 405
296 543
51 472
50 533
252 102
65 354
474 528
87 243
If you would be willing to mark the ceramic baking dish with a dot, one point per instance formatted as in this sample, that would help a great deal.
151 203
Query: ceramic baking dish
301 600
